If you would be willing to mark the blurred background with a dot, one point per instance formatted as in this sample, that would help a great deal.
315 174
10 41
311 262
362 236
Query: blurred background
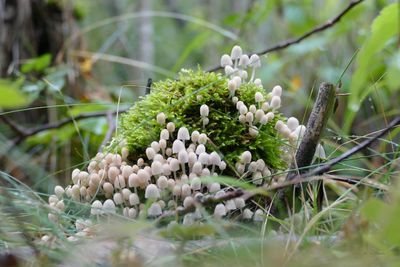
67 66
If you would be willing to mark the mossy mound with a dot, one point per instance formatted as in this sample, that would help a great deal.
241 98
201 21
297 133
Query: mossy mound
180 100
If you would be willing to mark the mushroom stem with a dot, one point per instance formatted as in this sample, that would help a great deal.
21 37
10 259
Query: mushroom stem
212 169
253 72
183 168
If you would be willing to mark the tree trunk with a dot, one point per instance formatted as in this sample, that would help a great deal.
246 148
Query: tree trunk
28 28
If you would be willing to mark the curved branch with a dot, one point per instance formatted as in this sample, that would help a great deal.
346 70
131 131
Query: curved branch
328 165
320 28
306 177
25 133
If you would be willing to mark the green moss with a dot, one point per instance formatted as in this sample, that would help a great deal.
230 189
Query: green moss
181 99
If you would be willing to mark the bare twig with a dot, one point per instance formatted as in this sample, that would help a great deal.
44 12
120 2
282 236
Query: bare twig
25 133
206 200
328 165
17 129
306 177
320 28
148 86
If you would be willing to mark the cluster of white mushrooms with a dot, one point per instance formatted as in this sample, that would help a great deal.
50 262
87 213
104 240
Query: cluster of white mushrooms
262 111
169 178
172 175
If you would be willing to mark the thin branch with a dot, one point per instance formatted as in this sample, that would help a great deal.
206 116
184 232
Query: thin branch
328 165
306 177
54 125
17 129
292 41
204 201
24 133
148 86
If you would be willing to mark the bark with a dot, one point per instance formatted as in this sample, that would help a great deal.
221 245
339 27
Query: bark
28 28
322 110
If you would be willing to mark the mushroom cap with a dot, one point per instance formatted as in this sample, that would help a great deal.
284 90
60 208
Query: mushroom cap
197 167
203 158
238 81
214 187
222 165
249 117
152 192
320 152
229 70
236 52
230 205
195 183
161 118
177 146
220 210
170 127
259 114
243 109
255 61
226 60
174 165
133 180
183 133
192 158
258 82
143 175
166 169
164 134
134 199
59 191
232 86
244 61
214 158
204 110
240 203
258 215
245 158
96 207
188 201
118 199
300 131
277 90
150 153
155 146
162 182
195 136
109 206
202 139
292 123
276 102
183 156
154 210
156 167
247 214
258 97
200 149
